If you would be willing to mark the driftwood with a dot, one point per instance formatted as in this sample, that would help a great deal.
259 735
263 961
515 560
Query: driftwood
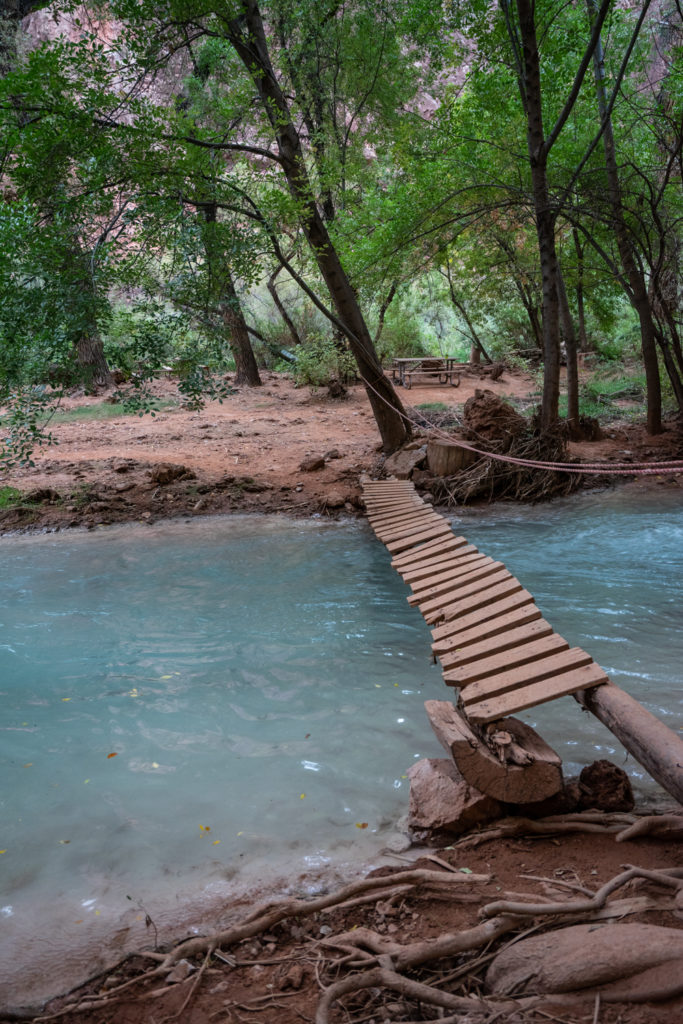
518 769
653 744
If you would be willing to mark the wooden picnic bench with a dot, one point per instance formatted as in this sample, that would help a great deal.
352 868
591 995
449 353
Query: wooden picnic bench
438 370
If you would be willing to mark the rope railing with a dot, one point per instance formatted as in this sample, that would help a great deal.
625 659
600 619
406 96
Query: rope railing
671 467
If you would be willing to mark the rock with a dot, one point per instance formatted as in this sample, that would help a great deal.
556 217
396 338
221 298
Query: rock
402 463
605 786
581 957
41 496
333 453
440 799
293 979
167 472
180 972
312 464
335 499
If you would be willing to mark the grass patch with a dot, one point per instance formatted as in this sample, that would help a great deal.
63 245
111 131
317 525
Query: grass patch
104 411
9 497
433 407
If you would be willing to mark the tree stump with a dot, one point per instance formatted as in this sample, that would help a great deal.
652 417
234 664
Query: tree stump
445 458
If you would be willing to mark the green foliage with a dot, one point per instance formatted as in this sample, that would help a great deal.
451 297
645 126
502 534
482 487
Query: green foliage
319 360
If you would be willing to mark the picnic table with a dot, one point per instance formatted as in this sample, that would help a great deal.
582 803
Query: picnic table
440 370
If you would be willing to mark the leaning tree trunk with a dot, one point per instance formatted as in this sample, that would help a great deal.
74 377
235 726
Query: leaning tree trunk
544 213
247 35
281 308
638 290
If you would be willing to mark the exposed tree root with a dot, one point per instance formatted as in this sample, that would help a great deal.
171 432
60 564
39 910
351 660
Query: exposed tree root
434 972
671 877
660 825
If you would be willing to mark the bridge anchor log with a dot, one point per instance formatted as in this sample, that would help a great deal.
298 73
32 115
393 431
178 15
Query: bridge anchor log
656 747
526 769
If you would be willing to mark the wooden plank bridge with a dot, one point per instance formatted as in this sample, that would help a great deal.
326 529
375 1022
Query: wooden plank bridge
492 641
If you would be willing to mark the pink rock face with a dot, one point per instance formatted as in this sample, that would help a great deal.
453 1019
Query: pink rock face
440 799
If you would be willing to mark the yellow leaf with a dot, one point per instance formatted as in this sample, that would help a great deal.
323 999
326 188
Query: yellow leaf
3 851
240 833
97 913
215 842
302 797
155 764
65 699
378 686
109 756
86 781
29 764
166 677
361 824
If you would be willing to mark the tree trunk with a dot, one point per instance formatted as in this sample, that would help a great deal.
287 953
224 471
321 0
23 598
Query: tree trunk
247 36
544 213
638 291
653 744
584 344
82 304
280 306
223 293
572 358
246 369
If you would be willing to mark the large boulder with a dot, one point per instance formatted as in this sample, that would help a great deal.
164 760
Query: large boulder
441 800
582 957
402 463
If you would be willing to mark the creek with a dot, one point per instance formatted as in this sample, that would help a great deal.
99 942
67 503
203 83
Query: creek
197 708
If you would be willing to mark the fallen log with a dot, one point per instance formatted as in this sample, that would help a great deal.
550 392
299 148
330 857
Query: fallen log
526 771
656 747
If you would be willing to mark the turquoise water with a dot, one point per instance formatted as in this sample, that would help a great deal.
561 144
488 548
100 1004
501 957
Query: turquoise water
261 685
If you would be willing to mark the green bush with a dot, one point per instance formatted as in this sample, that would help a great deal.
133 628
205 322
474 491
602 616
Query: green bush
319 360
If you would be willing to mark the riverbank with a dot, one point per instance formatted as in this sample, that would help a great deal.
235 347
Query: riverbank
277 448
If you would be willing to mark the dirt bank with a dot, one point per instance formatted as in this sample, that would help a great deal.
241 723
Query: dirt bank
248 454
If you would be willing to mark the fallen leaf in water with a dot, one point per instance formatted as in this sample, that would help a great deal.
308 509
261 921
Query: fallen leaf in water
215 842
204 828
3 851
86 781
65 842
79 922
65 699
361 824
240 833
307 735
29 764
167 677
465 871
155 764
302 797
112 755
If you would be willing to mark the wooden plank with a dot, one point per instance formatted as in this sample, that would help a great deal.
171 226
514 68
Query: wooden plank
402 529
474 595
386 514
431 549
444 635
532 650
474 600
437 531
538 693
439 582
398 529
453 587
551 667
494 637
432 563
388 505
